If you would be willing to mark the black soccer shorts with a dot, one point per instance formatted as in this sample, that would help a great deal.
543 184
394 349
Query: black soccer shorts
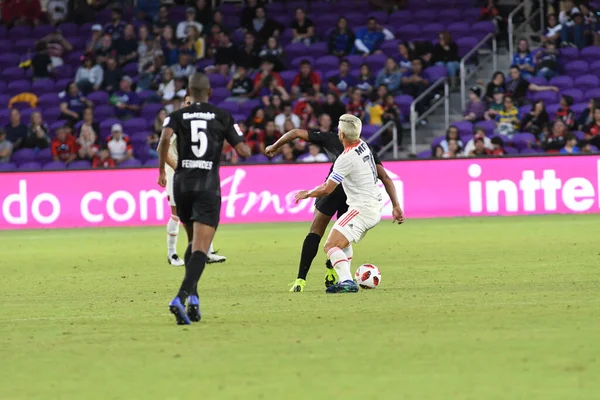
333 203
201 207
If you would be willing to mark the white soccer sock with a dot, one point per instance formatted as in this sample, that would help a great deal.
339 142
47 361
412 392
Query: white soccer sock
349 252
210 249
340 263
172 232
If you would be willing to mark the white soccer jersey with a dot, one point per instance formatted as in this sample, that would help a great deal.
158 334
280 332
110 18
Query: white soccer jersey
355 169
173 150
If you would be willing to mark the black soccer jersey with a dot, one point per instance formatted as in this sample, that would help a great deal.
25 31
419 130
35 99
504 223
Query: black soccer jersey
330 142
201 129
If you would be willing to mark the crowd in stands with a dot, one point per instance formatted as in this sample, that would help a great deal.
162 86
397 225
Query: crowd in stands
549 103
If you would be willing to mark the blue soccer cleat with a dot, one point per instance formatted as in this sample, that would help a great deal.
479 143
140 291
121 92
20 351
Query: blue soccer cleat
178 310
193 309
343 287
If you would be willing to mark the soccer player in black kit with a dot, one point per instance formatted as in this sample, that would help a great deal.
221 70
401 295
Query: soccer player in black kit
200 128
327 206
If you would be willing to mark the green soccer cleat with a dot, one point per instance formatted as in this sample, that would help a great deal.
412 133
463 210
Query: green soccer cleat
331 278
298 285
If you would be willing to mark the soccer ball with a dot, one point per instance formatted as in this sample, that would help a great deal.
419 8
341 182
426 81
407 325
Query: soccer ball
368 276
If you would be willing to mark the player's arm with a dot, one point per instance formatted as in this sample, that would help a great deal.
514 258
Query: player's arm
390 189
163 153
287 138
235 137
170 162
319 191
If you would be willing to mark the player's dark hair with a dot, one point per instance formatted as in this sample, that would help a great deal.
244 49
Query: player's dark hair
199 86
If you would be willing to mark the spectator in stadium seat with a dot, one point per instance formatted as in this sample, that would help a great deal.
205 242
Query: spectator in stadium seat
57 46
169 45
112 75
479 149
125 100
273 51
498 144
496 85
105 51
217 19
451 134
374 106
116 27
6 147
248 53
523 59
391 112
555 140
404 58
476 108
570 145
88 143
271 88
518 86
453 150
273 106
73 103
225 55
415 84
41 64
119 145
64 145
262 27
390 76
308 116
324 123
552 31
445 53
190 20
592 131
314 154
157 125
240 85
587 116
342 83
16 131
37 134
496 106
271 135
478 134
166 89
161 21
204 12
305 80
103 159
249 12
287 154
25 12
341 39
195 44
184 68
365 80
126 46
95 41
536 121
333 106
287 115
356 106
303 29
576 33
89 75
146 10
546 61
508 120
489 11
565 113
369 39
146 48
89 123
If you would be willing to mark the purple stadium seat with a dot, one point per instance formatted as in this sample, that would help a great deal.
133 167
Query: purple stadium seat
380 16
487 126
551 109
576 94
54 166
577 68
567 54
247 106
44 156
42 30
131 69
327 62
585 82
390 47
579 108
509 151
7 167
41 86
70 29
562 82
437 140
30 166
484 27
48 100
369 130
464 127
528 150
13 73
288 77
522 140
401 17
470 15
404 102
376 61
150 110
104 111
144 95
257 158
318 49
548 96
18 86
538 80
424 16
62 83
431 31
220 94
424 154
217 80
524 110
153 162
106 125
592 94
51 115
80 164
457 28
408 32
465 44
579 135
590 54
450 14
295 64
436 72
21 31
231 106
98 98
131 163
22 156
3 31
11 58
135 125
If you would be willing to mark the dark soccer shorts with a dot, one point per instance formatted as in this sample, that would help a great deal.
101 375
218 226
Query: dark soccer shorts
202 207
333 203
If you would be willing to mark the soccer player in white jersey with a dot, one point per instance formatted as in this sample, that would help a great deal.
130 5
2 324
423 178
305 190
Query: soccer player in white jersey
173 224
355 169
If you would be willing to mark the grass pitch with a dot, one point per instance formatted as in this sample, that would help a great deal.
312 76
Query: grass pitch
497 308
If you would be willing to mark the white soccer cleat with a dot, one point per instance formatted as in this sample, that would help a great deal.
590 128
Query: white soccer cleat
175 261
215 258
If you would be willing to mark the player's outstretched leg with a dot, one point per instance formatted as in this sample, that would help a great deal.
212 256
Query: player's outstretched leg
335 243
172 233
213 257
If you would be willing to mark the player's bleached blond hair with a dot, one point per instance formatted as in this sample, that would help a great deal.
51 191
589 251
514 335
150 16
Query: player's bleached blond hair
351 126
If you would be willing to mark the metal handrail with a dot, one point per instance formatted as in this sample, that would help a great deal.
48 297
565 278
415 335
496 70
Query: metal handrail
511 25
394 141
463 65
415 119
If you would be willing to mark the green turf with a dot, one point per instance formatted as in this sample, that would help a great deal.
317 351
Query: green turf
497 308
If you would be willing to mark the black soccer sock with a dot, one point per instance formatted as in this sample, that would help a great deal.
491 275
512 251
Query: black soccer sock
310 247
193 272
188 254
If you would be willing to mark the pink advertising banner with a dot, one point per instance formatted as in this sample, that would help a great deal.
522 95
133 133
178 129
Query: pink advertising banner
265 193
